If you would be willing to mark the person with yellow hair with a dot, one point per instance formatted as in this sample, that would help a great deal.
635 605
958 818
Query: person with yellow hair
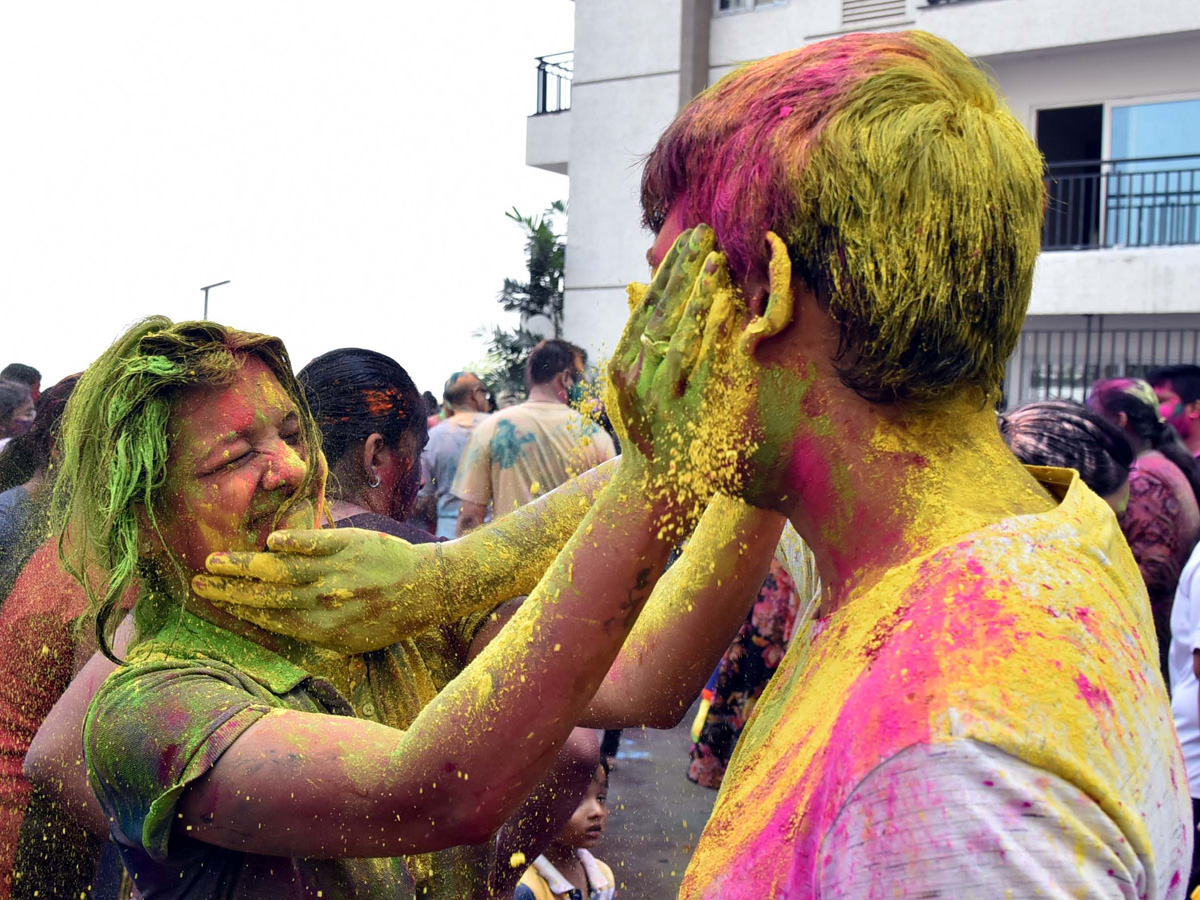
973 707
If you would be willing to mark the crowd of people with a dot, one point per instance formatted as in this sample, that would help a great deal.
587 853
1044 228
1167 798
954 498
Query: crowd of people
272 633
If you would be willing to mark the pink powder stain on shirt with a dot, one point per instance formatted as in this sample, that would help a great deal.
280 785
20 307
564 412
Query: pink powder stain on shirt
168 763
1096 696
952 611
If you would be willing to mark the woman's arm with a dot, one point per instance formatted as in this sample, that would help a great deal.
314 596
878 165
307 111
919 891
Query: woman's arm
692 616
694 613
354 591
298 784
308 785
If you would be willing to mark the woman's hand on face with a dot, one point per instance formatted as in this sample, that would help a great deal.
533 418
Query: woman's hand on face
684 381
326 587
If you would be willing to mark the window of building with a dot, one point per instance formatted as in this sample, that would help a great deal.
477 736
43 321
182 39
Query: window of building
1121 175
868 13
724 7
1156 130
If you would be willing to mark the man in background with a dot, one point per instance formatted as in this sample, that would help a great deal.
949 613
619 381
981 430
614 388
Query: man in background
533 447
19 373
1178 392
467 399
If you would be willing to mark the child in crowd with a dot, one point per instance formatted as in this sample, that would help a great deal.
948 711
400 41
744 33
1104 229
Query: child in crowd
567 871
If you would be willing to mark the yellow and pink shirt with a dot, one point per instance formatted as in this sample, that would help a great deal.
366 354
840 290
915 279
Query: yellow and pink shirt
986 721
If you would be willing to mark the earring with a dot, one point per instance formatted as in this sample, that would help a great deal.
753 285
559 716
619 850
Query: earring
374 483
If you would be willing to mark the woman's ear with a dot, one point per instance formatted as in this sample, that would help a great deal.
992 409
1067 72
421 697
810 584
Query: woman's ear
1122 421
373 458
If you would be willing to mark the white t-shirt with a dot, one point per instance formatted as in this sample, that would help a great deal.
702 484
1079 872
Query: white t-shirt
965 820
1185 690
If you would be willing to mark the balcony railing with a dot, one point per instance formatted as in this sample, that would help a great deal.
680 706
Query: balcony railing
554 82
1061 365
1150 202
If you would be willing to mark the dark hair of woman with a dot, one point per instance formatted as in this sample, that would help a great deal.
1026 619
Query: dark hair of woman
24 456
1135 399
1069 435
356 393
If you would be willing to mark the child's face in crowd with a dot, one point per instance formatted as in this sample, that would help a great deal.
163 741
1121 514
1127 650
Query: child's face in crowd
587 824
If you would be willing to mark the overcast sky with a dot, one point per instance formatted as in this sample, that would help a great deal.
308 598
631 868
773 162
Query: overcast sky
346 165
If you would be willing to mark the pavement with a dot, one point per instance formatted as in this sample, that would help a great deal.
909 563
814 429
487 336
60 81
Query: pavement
655 814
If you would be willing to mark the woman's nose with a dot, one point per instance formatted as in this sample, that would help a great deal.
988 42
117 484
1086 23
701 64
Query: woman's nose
285 468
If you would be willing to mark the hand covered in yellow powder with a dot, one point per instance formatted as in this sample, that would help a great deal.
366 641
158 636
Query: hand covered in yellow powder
354 591
331 587
684 382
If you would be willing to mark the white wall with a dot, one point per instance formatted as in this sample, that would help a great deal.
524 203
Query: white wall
624 94
991 27
625 38
614 125
981 28
1145 68
1147 280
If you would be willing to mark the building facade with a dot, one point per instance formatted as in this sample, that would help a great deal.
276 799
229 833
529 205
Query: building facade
1110 89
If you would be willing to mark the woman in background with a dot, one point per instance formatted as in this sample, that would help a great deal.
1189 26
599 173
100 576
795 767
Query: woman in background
1070 436
24 485
1162 521
373 428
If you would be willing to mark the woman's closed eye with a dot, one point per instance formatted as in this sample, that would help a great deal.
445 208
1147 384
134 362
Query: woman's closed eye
231 458
241 459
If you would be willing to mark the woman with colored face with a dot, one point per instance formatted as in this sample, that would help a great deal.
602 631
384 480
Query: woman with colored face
24 484
372 422
231 762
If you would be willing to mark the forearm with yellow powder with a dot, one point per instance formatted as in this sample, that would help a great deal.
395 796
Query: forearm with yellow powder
690 620
358 591
508 557
502 560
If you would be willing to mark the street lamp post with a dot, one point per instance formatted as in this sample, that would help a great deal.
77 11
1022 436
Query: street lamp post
206 289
